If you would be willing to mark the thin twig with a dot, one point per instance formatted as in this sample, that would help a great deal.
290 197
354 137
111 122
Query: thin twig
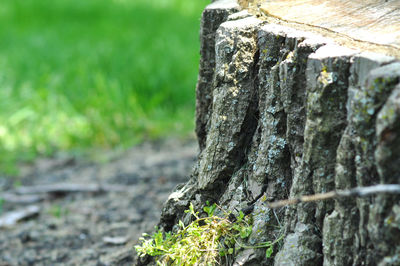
354 192
69 188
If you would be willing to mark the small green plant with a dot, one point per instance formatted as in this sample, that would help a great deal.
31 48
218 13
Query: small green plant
57 211
203 242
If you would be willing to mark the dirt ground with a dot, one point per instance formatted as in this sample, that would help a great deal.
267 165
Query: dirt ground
91 227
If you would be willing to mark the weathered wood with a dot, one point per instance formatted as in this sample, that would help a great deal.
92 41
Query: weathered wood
22 199
118 240
69 188
371 21
293 110
11 218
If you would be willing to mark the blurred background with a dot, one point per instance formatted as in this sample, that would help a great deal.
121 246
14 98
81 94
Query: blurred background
78 76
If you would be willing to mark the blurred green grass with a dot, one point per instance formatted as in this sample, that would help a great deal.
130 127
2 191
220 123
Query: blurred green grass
78 75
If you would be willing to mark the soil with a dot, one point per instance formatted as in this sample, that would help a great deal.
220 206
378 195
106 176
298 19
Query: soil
94 228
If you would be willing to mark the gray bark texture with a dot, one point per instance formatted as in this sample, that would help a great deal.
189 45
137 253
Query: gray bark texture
291 113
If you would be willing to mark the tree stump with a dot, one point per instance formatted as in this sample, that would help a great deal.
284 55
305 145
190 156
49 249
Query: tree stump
295 98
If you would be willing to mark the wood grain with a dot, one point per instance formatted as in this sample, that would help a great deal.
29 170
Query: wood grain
372 21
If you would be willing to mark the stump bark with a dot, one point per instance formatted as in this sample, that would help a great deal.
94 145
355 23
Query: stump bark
290 110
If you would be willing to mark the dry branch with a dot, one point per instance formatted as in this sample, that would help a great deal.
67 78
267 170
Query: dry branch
69 188
355 192
11 218
119 240
22 199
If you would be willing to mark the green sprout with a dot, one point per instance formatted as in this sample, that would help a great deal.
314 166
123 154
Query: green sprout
205 241
57 211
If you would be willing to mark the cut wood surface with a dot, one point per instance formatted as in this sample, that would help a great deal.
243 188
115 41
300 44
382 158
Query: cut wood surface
372 21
